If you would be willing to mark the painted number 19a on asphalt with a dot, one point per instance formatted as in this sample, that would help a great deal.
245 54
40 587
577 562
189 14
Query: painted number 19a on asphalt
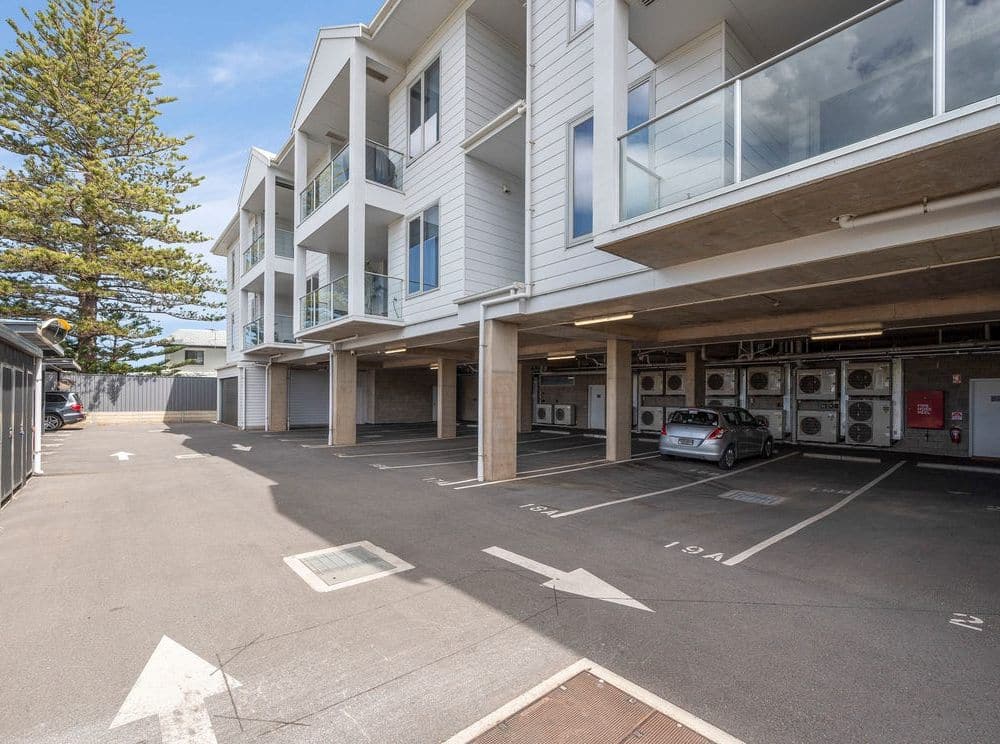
542 509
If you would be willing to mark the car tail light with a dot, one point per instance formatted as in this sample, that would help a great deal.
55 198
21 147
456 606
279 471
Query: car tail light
717 434
663 431
76 407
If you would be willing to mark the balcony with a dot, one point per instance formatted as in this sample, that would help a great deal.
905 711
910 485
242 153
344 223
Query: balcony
284 331
253 254
253 333
384 165
284 243
324 311
325 184
882 111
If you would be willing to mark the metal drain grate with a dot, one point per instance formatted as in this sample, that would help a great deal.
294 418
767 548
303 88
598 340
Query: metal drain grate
345 565
751 497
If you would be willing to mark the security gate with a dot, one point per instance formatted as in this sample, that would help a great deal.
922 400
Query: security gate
230 400
308 397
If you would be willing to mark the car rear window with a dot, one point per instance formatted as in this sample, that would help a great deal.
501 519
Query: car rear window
55 397
698 418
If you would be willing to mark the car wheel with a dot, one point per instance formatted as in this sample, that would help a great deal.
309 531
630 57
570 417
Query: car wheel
768 449
728 459
53 422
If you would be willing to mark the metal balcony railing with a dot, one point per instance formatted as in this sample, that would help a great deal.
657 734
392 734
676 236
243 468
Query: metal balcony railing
284 243
384 165
283 329
900 62
253 333
326 183
383 297
253 253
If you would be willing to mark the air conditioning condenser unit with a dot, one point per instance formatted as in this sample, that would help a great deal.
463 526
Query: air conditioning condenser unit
543 413
650 418
869 422
817 426
765 381
816 384
869 379
720 382
651 383
564 414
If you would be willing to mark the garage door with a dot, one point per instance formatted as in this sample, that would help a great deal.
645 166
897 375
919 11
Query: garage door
230 400
308 397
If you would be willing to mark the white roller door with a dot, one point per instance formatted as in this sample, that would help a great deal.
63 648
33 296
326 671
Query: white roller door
308 397
254 397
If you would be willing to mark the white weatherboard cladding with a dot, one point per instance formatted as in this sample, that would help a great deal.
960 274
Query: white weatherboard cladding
494 227
317 263
494 74
234 339
308 397
253 399
563 93
436 176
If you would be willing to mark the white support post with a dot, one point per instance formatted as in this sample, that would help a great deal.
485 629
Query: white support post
299 276
940 49
356 203
610 107
270 237
737 131
36 433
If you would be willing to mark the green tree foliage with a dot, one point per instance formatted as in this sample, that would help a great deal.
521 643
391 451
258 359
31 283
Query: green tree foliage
89 217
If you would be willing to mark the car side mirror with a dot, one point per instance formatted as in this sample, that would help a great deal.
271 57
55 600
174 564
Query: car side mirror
761 421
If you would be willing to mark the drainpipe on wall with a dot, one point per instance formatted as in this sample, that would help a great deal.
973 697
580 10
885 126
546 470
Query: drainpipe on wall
528 146
36 434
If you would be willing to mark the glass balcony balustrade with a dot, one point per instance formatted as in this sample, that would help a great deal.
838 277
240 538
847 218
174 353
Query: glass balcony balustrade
253 253
383 298
253 333
862 79
326 183
384 165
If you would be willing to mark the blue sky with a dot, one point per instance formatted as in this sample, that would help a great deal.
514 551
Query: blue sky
236 68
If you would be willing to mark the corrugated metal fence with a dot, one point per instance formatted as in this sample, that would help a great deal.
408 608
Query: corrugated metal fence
143 393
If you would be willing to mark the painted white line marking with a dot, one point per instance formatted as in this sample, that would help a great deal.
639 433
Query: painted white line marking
962 468
455 483
966 621
844 458
681 487
242 448
554 431
193 456
439 450
740 557
173 686
596 436
391 442
122 456
578 581
460 462
559 470
707 730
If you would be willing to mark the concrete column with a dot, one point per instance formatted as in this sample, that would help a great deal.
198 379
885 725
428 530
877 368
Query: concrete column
447 398
270 214
277 398
619 401
299 276
356 203
343 398
524 406
498 366
610 106
694 379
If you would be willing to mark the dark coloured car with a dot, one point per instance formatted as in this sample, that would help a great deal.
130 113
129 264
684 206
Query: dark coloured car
62 409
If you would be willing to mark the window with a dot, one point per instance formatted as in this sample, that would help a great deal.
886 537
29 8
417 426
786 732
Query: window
425 103
197 357
582 12
582 179
422 252
745 417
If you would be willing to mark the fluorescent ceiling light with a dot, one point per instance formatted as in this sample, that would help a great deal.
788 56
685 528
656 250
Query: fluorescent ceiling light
400 350
557 357
434 366
605 319
845 334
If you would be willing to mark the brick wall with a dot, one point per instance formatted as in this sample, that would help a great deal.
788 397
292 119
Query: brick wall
935 373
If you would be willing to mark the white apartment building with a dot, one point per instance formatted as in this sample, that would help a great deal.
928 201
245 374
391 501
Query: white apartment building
586 213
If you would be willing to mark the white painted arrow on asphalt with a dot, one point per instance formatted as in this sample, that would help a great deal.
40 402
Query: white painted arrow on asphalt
122 456
173 686
577 581
242 447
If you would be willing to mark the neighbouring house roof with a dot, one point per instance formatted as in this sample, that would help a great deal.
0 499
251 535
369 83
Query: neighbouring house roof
198 337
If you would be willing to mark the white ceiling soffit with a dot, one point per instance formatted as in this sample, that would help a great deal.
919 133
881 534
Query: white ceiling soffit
766 27
408 25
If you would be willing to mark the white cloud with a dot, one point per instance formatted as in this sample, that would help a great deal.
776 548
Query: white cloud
243 63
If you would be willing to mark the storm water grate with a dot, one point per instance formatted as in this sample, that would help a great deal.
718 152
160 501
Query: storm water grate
752 497
345 565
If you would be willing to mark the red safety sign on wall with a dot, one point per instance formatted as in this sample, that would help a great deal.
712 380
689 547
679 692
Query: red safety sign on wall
925 409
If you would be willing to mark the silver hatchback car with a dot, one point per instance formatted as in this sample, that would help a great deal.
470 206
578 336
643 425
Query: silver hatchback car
723 435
